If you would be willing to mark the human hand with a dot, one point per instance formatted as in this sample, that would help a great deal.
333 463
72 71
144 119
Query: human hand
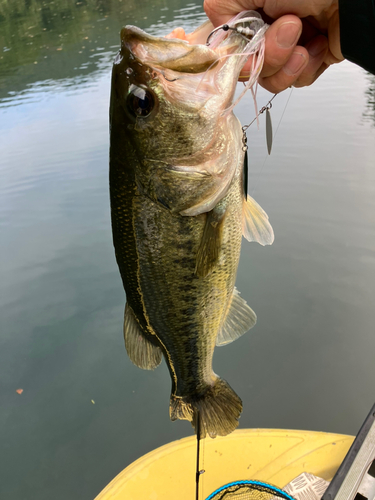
300 44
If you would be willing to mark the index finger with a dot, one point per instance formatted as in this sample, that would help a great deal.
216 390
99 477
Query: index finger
219 11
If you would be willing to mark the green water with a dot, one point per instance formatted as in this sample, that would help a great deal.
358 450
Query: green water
86 412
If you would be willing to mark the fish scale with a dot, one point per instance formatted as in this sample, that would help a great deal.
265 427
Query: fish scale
178 214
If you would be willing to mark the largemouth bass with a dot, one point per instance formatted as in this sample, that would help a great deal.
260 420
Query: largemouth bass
179 211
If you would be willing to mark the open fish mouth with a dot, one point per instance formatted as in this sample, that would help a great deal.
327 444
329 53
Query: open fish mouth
204 56
174 54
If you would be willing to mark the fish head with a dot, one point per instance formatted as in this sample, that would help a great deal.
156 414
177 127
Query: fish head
168 95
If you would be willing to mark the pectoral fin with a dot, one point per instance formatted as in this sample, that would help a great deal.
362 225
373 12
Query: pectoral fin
255 224
209 250
239 319
140 350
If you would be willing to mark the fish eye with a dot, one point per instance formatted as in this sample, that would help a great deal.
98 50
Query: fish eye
140 102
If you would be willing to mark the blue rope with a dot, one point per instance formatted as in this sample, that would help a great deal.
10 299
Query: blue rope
274 489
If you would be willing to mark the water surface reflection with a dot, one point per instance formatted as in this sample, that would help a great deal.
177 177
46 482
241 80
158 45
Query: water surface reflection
53 45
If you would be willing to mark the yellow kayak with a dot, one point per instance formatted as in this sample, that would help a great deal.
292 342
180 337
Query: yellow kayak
275 456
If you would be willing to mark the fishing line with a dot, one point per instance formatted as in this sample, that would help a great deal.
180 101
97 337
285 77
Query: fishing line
290 95
198 471
202 471
278 126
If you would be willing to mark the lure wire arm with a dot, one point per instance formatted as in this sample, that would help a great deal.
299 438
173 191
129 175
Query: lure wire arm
268 106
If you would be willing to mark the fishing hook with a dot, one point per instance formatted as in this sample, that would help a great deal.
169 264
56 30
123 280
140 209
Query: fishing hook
225 27
174 79
242 30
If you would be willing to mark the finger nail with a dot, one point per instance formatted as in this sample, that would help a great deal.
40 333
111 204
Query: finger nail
288 34
295 63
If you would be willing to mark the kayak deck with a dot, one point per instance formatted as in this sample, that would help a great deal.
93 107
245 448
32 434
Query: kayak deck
272 455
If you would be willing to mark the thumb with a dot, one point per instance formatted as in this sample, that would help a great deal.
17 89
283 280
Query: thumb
335 54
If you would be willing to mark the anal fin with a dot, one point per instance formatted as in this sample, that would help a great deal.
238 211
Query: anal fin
255 223
239 319
140 350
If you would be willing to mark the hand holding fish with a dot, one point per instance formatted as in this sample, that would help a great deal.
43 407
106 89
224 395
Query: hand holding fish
302 42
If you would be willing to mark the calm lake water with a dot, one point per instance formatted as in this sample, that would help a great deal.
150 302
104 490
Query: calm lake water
86 412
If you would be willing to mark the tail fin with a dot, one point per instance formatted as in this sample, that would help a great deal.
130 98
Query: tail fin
218 409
